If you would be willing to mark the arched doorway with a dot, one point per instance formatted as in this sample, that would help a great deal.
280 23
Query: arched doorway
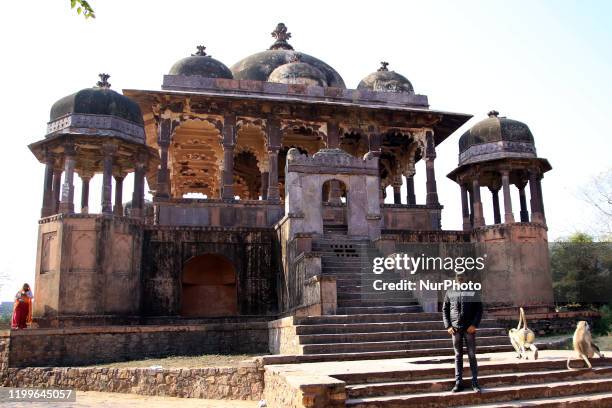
209 287
334 196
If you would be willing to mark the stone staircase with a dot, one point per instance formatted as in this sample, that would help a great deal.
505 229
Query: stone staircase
542 383
373 324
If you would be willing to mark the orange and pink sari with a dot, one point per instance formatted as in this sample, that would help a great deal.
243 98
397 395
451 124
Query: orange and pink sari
22 310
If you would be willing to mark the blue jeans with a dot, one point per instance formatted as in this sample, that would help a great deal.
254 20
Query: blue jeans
470 340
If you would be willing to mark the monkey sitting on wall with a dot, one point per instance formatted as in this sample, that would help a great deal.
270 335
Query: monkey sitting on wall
583 344
522 338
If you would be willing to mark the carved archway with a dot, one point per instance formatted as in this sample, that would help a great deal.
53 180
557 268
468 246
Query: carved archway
209 287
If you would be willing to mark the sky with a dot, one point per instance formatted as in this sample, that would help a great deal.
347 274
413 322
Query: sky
545 63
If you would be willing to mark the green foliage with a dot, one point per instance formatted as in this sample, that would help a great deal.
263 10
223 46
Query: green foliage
582 271
83 7
603 326
6 314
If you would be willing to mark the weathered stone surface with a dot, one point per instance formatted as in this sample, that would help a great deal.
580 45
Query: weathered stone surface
244 382
92 345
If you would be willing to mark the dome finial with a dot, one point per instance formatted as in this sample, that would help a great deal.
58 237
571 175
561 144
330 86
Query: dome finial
103 82
383 66
281 35
493 113
200 52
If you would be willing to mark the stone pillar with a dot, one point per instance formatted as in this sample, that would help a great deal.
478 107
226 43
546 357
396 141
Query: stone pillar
397 195
478 215
410 197
523 200
430 156
264 185
48 203
536 205
471 201
508 215
229 141
374 140
57 186
333 135
107 178
467 224
541 196
273 126
163 173
138 193
66 205
85 178
495 199
118 208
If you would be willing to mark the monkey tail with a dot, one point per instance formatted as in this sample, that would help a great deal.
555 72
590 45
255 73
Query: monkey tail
568 363
522 319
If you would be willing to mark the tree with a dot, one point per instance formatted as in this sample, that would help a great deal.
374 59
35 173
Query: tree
582 270
598 194
83 7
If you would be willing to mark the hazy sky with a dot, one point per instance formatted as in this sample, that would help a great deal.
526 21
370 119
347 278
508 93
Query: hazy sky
546 63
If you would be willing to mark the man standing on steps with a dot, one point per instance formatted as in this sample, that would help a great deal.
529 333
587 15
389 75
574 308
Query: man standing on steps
462 311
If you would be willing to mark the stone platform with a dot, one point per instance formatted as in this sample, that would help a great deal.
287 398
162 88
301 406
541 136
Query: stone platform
425 382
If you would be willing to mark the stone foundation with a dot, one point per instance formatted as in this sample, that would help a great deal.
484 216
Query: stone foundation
283 337
244 382
95 345
302 390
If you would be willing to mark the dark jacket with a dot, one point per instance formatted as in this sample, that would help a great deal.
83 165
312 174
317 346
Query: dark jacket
462 309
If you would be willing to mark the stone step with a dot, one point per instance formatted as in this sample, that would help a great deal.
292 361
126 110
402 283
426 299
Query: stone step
496 394
374 355
369 289
358 347
589 400
320 338
486 381
346 303
443 373
377 309
339 328
351 294
370 318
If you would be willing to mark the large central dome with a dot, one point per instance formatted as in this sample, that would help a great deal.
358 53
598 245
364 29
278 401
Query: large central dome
259 67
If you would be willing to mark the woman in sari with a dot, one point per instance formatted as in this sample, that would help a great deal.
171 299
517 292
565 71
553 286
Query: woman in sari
22 310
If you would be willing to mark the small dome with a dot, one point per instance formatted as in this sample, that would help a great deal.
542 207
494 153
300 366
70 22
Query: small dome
495 129
201 64
100 100
297 72
259 67
384 80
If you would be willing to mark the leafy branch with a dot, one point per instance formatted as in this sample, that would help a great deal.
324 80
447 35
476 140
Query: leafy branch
83 8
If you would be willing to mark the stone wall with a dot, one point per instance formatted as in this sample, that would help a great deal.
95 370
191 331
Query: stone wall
399 217
283 337
244 382
167 249
5 341
88 265
94 345
297 389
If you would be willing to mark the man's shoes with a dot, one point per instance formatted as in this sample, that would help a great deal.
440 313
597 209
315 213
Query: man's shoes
476 386
458 387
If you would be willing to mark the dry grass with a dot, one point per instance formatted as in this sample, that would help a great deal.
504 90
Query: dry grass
208 360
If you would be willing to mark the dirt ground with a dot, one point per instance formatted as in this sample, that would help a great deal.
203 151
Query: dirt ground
116 400
209 360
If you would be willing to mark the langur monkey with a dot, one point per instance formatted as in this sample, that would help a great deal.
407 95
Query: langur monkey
583 344
522 338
